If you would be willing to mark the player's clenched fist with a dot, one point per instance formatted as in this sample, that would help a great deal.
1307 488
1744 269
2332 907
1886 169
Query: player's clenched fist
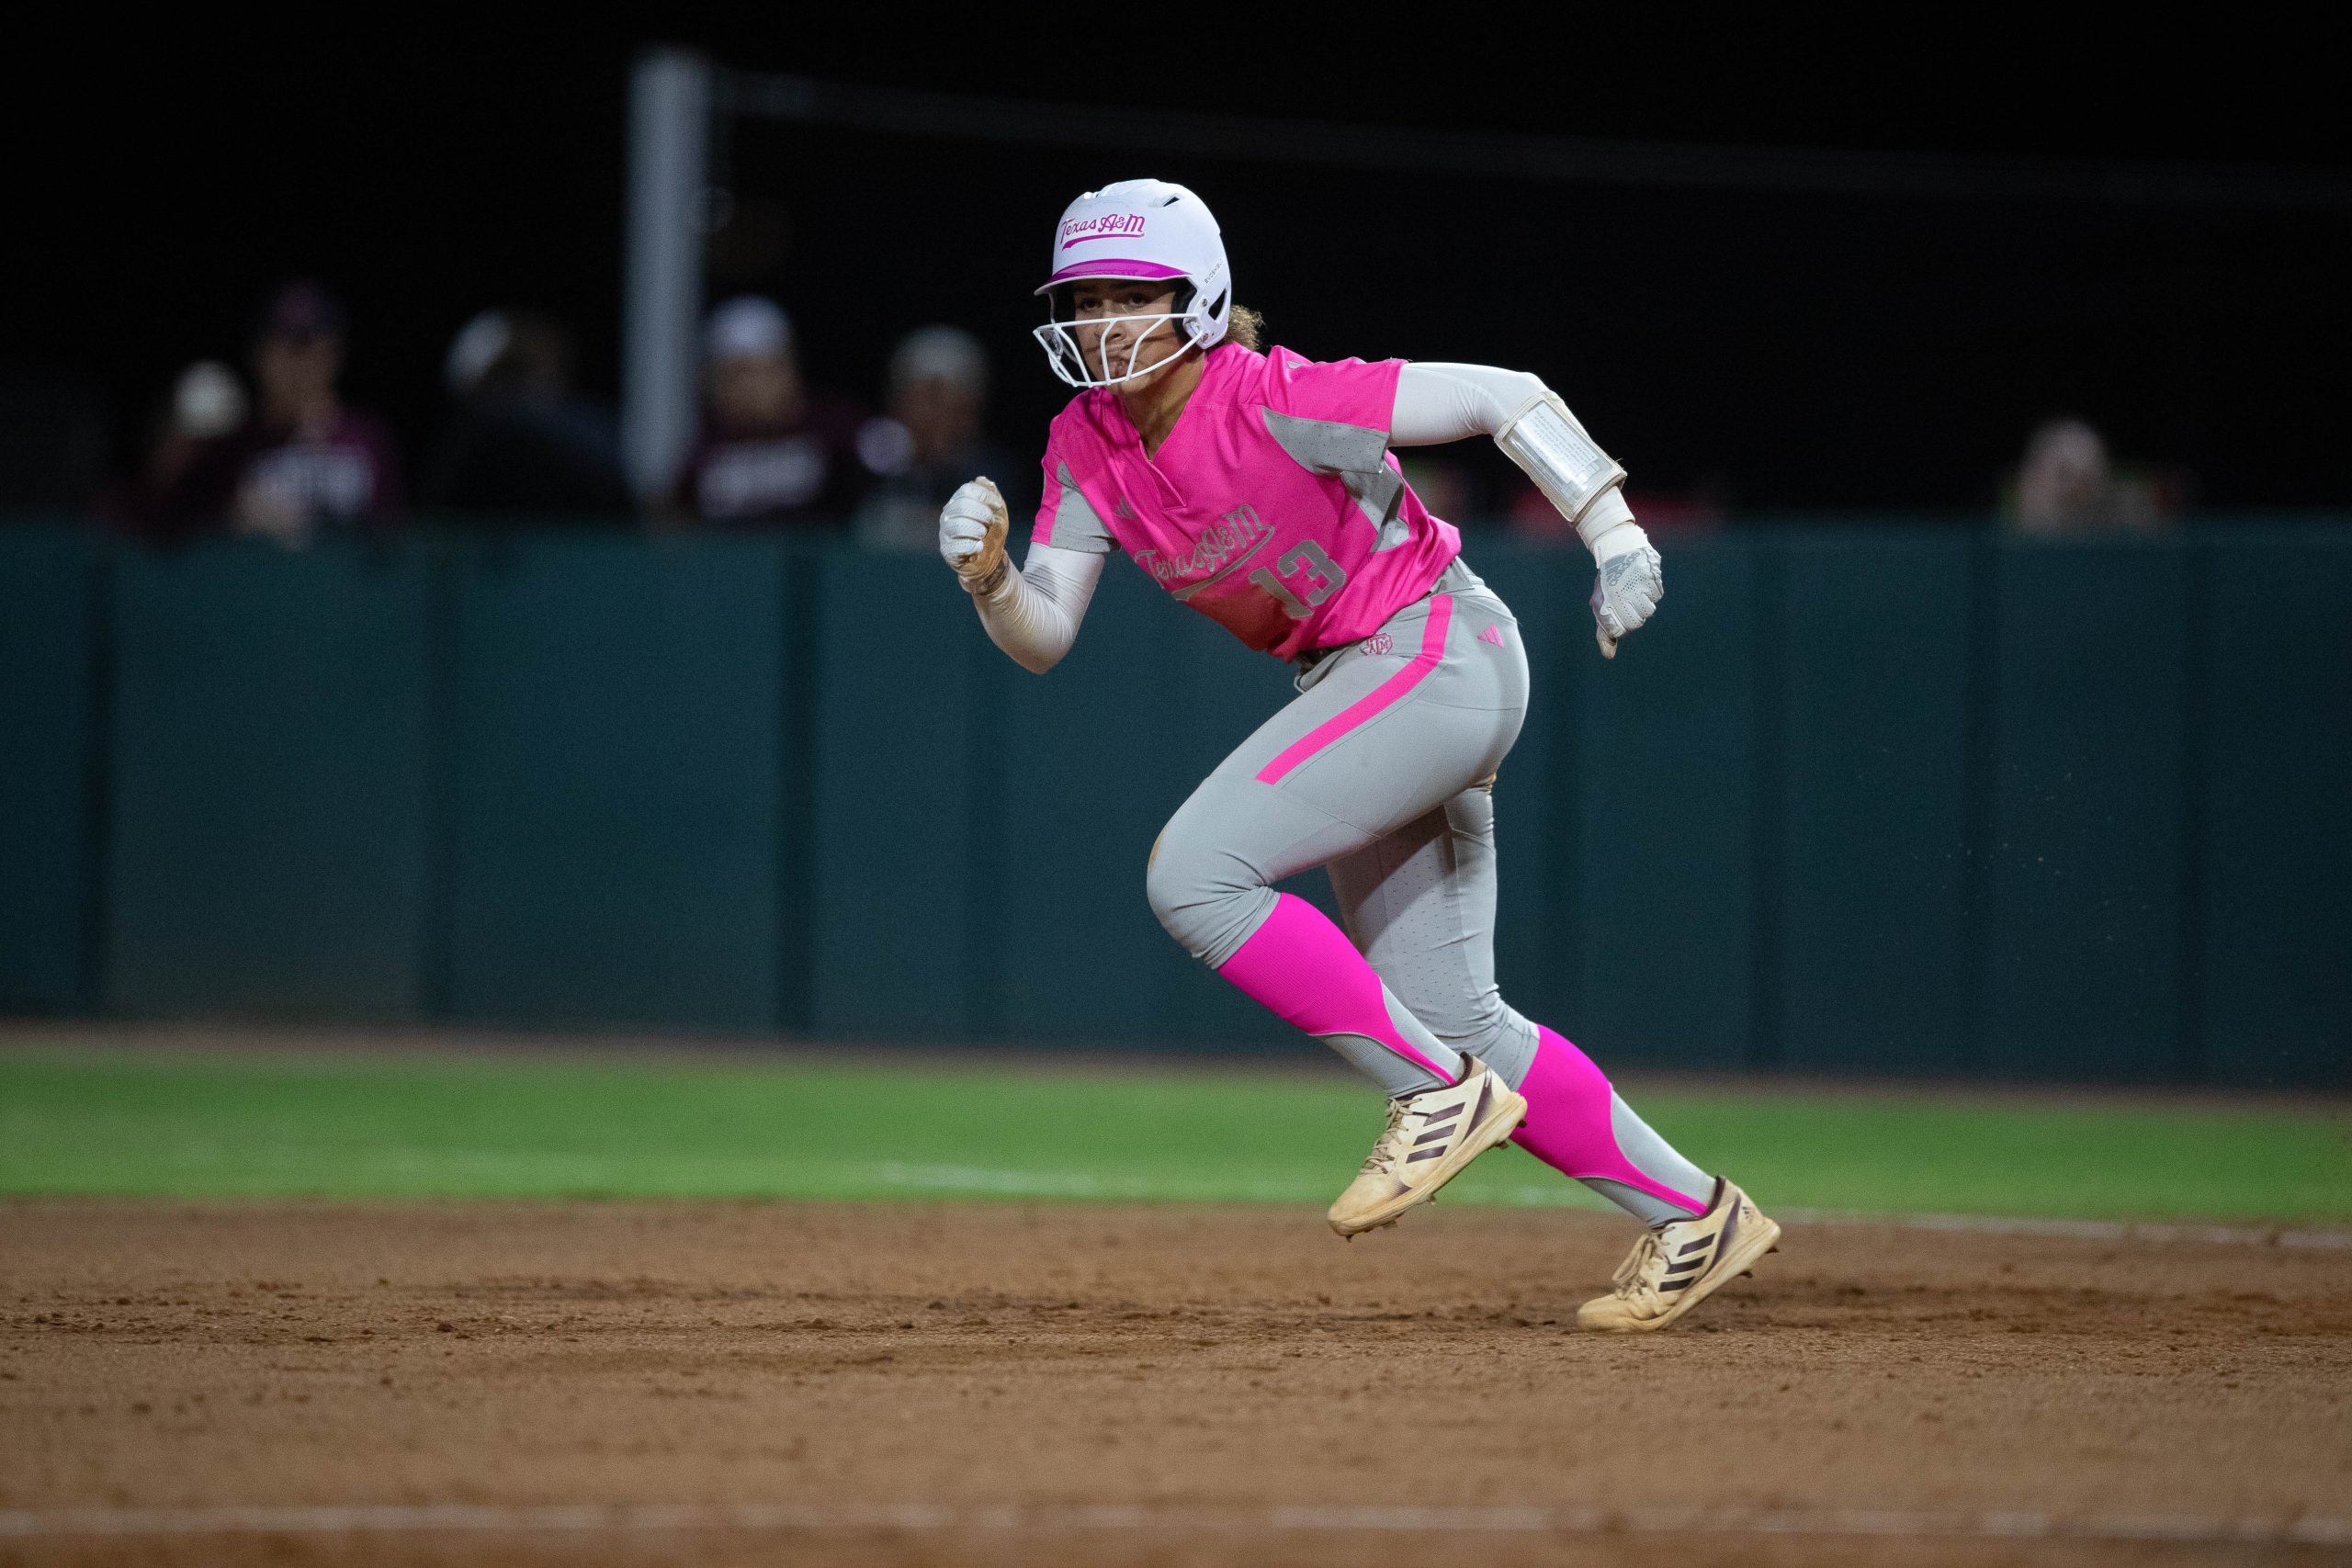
1631 583
971 535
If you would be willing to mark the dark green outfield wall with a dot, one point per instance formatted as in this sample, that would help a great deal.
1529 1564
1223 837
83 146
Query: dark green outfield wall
52 594
1874 801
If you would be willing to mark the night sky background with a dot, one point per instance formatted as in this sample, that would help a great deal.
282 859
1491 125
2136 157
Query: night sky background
1779 351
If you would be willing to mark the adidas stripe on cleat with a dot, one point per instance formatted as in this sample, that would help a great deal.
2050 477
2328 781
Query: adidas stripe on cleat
1431 1138
1677 1265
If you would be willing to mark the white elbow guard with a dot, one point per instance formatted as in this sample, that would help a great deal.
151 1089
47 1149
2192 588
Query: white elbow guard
1552 448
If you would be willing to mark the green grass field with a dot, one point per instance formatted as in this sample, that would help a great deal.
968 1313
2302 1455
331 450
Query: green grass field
155 1123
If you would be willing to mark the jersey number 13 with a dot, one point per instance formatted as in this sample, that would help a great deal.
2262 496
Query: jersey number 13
1319 577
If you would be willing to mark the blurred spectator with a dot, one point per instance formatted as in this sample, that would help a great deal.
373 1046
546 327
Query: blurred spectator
930 442
208 403
1698 508
1694 511
520 440
2067 484
304 459
208 400
771 450
2062 486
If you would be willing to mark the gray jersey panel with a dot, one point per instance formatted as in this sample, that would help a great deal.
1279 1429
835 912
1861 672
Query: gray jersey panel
1076 526
1357 457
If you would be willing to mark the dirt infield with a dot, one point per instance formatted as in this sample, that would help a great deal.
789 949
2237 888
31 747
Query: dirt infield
911 1385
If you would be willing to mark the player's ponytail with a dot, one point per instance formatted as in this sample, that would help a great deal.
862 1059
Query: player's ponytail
1246 327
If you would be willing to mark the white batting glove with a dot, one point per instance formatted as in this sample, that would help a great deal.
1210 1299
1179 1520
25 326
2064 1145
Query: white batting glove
971 535
1631 582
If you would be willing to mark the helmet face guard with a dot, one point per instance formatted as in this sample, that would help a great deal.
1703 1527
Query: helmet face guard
1067 354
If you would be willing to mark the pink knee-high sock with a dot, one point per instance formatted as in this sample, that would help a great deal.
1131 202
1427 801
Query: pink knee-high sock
1305 968
1569 1124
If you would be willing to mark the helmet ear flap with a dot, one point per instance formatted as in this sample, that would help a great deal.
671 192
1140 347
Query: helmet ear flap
1216 291
1205 321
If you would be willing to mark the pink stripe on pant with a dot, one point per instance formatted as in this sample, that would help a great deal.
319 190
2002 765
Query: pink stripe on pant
1386 694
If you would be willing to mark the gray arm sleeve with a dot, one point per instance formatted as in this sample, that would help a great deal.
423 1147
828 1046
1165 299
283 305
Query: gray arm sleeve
1034 613
1451 403
1437 402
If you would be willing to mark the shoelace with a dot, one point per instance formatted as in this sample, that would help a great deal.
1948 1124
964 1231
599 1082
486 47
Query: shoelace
1629 1273
1385 1152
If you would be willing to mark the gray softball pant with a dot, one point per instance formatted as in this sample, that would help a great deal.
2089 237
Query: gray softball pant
1381 769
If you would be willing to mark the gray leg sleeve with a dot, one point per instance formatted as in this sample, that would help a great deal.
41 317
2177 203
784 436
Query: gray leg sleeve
1420 902
1654 1157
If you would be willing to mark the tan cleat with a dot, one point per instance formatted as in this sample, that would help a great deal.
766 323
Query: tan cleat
1431 1138
1676 1266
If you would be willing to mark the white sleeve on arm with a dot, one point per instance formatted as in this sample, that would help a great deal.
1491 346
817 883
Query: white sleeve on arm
1033 611
1451 402
1437 402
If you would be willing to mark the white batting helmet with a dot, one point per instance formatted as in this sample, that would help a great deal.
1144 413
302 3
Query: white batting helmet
1147 229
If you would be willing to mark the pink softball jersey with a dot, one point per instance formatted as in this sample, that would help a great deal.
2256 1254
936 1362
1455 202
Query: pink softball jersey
1273 507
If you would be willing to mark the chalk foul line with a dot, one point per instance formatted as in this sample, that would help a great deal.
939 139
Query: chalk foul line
1295 1519
2084 1230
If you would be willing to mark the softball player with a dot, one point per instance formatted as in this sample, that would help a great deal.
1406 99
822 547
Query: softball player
1259 488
